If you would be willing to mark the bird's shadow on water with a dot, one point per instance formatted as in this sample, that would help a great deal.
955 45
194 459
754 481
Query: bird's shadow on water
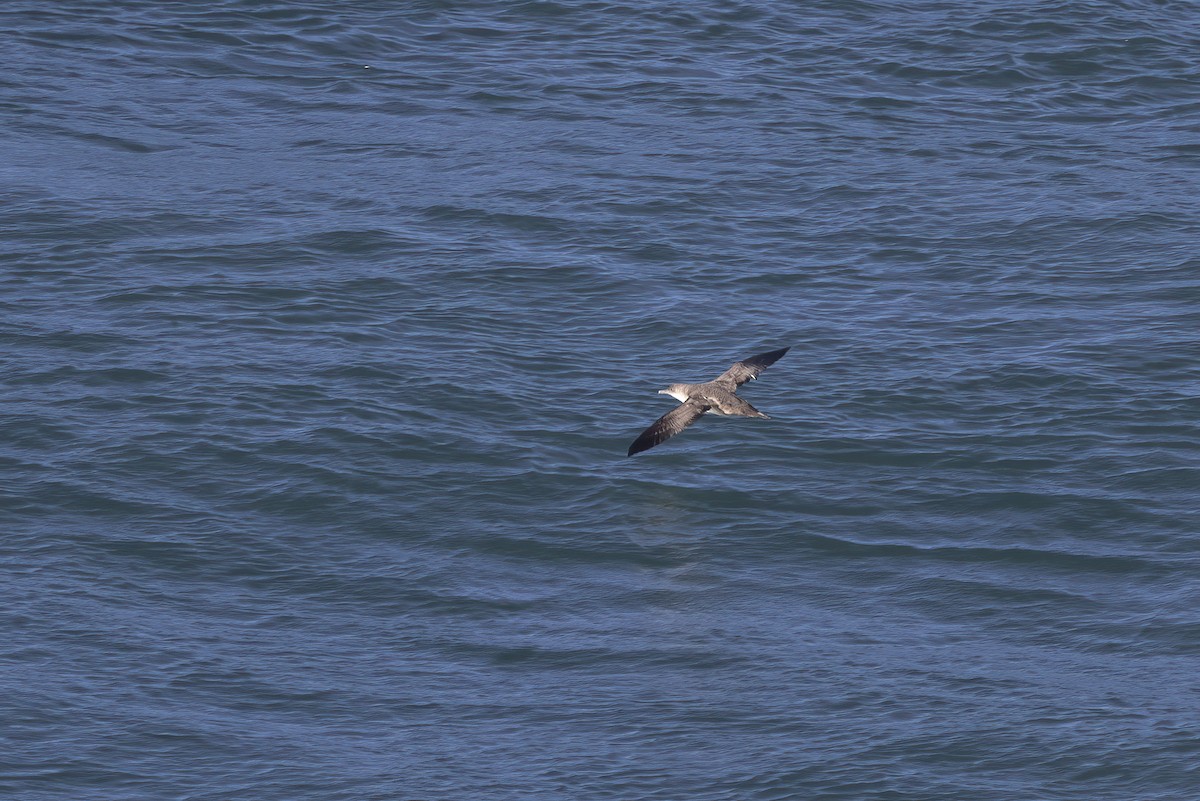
678 509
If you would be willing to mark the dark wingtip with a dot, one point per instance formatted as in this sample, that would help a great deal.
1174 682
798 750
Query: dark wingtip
771 356
634 449
641 444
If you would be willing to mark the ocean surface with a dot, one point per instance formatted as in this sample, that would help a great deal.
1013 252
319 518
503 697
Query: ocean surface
325 327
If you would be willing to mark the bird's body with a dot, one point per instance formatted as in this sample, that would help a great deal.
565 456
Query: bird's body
698 399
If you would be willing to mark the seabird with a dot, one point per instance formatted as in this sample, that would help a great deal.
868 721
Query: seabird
715 396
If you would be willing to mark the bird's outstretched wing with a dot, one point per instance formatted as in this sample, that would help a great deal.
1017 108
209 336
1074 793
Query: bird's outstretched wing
669 425
748 369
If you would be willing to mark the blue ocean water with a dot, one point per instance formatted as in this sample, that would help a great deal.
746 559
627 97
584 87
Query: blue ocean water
324 329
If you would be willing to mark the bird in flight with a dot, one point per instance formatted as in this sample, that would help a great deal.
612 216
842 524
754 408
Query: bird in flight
715 396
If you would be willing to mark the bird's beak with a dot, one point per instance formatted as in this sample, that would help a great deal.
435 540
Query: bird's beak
662 392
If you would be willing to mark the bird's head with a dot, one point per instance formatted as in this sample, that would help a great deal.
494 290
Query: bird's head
676 391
